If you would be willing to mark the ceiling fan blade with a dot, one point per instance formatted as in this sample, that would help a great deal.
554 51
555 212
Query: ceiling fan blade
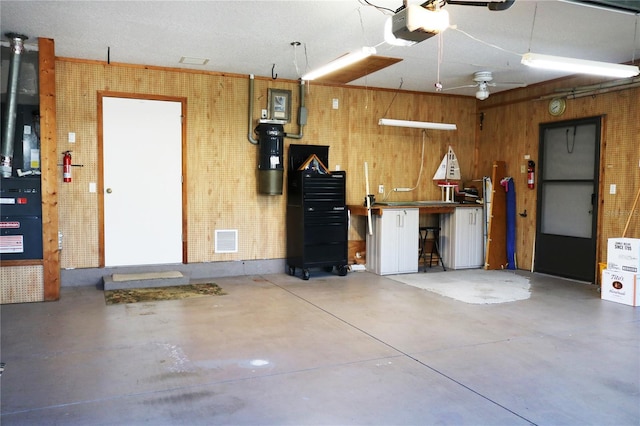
459 87
507 83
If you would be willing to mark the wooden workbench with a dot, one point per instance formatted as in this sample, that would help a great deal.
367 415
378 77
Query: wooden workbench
378 209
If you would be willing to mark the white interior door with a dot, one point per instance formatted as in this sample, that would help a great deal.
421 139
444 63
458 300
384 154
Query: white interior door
142 176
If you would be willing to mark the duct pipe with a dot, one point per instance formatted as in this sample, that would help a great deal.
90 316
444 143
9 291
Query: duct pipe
302 115
6 156
250 134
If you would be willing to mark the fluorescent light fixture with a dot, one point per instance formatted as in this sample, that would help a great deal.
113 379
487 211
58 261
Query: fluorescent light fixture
416 124
579 66
341 62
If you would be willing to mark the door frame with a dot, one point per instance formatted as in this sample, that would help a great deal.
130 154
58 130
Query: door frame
108 94
600 123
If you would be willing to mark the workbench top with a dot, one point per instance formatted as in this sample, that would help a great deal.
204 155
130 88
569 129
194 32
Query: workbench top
423 206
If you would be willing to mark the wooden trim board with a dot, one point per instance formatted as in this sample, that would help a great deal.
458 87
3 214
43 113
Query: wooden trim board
496 256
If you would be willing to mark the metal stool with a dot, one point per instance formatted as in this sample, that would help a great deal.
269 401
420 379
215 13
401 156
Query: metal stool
424 233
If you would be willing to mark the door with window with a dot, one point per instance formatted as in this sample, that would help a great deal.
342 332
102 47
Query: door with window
568 198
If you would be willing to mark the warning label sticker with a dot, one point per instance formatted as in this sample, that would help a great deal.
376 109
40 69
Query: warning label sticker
11 244
9 225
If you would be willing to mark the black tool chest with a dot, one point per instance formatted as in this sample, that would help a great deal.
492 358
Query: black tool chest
317 223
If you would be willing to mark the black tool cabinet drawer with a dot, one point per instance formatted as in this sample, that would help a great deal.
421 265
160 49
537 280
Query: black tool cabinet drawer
325 254
325 233
320 214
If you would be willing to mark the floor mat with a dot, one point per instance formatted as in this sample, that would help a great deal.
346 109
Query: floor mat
477 286
151 294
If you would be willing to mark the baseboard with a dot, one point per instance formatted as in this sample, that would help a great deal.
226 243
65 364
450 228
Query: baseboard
196 271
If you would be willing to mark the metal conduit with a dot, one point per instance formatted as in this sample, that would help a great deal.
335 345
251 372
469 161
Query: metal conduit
302 114
594 89
250 134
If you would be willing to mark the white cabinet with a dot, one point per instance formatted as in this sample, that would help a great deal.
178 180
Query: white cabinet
393 247
461 238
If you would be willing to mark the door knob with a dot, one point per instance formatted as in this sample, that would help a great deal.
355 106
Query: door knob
109 190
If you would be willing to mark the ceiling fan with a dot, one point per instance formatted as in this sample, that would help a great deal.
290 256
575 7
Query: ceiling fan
483 80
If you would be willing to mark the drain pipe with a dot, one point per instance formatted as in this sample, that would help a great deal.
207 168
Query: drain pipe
250 134
6 156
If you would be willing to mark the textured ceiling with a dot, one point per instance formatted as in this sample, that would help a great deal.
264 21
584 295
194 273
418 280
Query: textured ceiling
255 37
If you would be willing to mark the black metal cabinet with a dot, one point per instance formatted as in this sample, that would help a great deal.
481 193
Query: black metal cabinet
317 223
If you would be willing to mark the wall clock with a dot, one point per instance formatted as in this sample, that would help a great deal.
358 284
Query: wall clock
557 106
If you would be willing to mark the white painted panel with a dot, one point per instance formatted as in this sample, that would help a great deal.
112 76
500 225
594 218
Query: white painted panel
142 154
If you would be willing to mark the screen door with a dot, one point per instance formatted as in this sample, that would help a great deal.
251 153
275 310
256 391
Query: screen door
567 199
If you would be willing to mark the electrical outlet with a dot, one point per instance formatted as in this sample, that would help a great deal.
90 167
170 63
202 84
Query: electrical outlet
380 189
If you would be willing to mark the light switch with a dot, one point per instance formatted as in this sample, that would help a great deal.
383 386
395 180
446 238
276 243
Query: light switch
92 187
612 188
335 103
72 137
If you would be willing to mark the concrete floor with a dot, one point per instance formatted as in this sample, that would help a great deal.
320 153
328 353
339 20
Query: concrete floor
360 349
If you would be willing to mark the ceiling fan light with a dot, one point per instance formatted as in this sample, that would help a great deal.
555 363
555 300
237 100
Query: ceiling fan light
579 66
341 62
482 94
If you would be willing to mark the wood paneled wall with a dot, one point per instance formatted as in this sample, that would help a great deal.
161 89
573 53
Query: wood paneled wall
511 130
222 163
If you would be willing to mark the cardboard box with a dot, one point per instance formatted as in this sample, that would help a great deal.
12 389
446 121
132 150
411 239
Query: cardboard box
620 287
623 254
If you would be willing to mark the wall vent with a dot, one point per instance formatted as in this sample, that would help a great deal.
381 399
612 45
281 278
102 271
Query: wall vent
226 241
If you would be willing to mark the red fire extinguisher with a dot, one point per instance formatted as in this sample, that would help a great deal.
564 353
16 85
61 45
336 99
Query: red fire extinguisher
531 175
66 166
